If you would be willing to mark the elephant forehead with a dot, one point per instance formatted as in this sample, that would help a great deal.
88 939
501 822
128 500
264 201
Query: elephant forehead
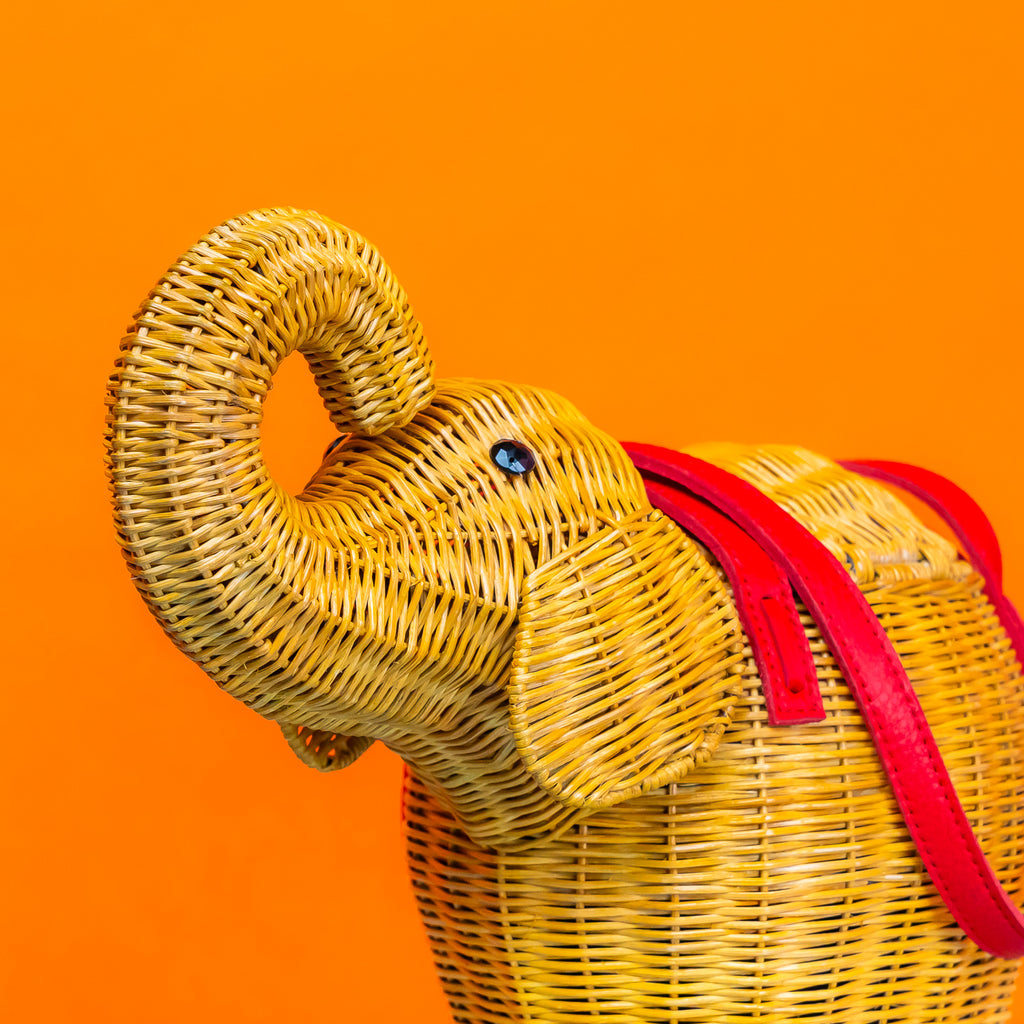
439 465
499 402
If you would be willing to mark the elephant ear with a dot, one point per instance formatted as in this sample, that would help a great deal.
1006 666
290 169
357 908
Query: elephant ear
322 749
626 665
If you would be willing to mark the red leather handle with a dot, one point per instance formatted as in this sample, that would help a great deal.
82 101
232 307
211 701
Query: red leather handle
879 683
966 519
764 603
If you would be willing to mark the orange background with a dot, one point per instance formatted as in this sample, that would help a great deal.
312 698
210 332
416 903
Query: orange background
792 222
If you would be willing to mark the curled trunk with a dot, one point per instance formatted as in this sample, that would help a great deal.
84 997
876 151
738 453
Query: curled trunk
214 545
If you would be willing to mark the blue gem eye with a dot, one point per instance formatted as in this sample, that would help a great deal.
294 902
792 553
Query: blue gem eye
512 457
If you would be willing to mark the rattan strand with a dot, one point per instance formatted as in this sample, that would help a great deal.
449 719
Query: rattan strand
602 826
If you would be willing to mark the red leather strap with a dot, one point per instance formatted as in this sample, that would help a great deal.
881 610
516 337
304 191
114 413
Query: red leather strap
967 520
956 506
878 681
764 603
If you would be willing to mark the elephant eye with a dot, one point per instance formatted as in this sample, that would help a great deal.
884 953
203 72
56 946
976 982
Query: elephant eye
512 457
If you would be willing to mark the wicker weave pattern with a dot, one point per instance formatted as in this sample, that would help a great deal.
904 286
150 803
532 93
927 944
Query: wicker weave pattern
593 608
779 883
602 826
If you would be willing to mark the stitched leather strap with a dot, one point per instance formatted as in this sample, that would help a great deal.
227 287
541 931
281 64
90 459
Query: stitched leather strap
879 683
966 519
764 603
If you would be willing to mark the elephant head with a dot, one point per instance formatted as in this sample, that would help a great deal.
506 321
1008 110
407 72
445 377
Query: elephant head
474 575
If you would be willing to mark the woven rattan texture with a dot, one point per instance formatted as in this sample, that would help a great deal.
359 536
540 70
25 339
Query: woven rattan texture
778 884
602 826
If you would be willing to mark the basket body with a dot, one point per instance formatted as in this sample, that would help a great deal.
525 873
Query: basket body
777 882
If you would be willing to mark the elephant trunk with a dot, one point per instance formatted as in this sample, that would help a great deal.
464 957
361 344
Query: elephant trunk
209 537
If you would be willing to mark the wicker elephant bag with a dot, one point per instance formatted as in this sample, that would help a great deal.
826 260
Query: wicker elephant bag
718 735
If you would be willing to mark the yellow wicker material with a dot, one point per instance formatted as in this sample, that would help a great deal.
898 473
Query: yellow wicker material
601 824
778 881
598 607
